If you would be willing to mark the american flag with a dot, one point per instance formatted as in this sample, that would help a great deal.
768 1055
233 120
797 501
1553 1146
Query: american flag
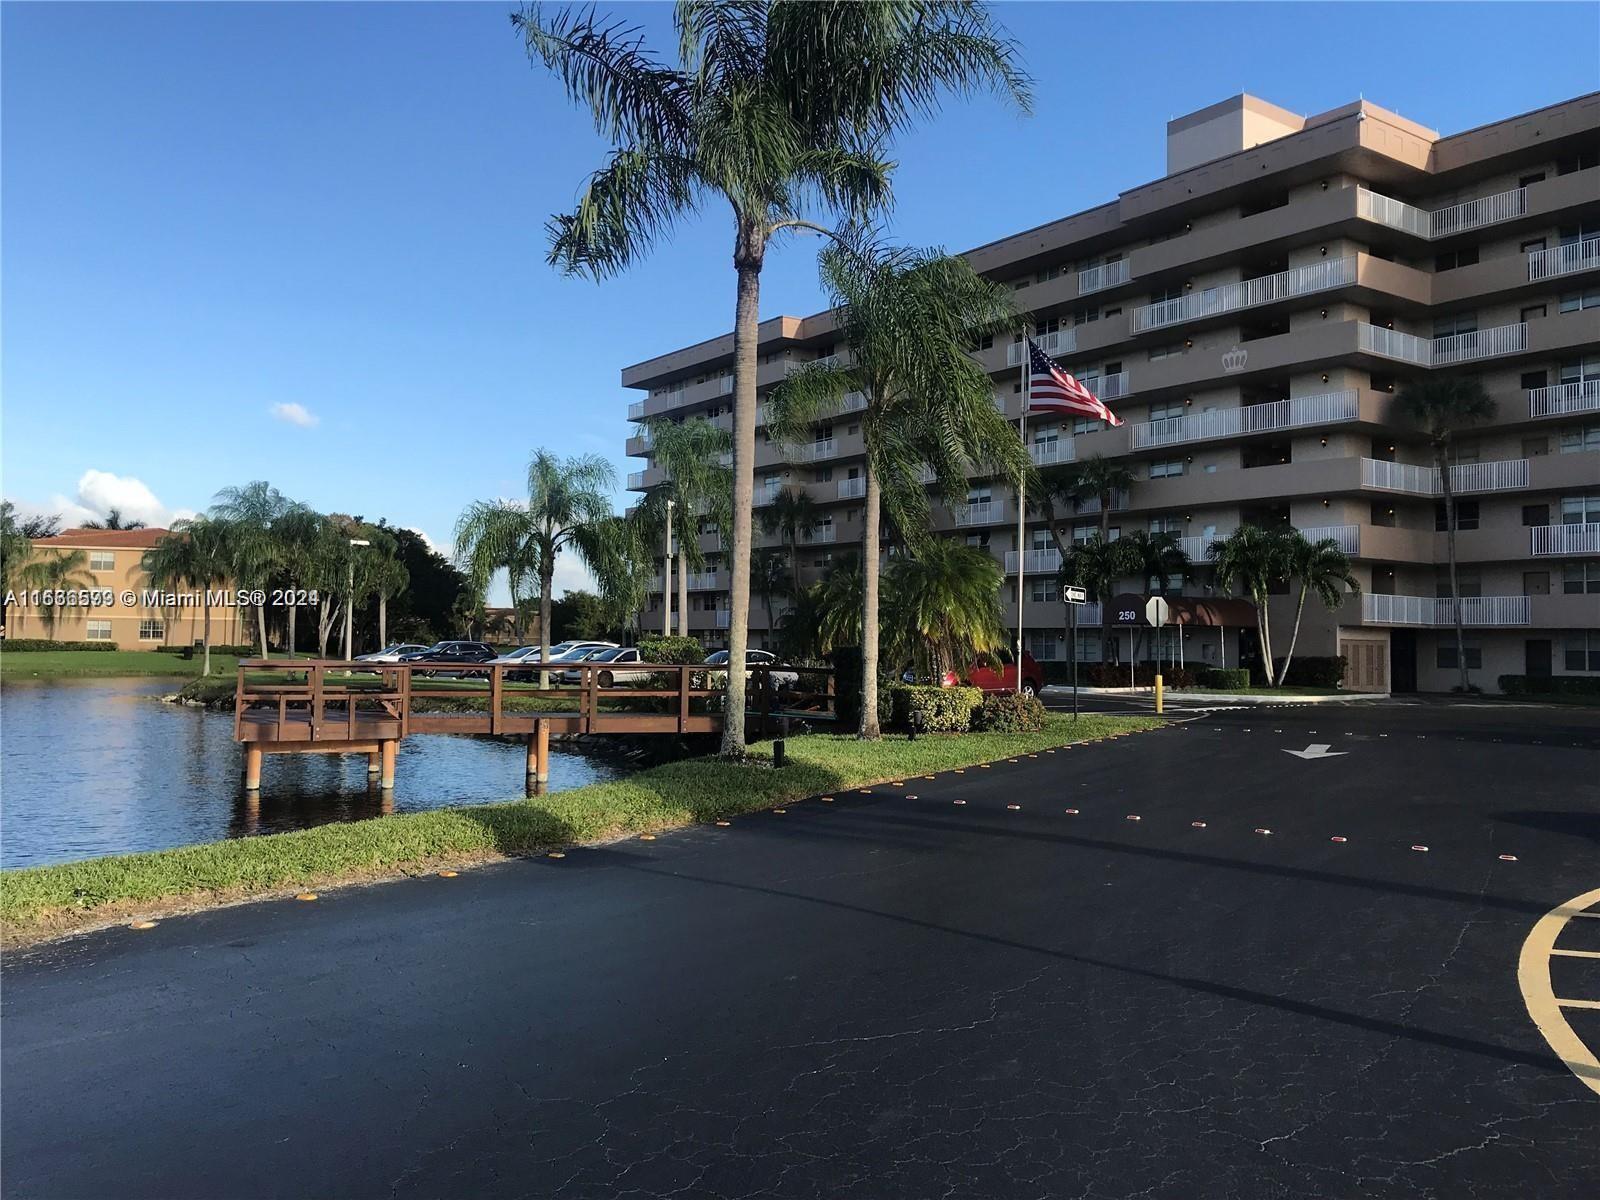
1051 389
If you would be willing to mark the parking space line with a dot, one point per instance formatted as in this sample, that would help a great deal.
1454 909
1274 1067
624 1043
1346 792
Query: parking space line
1533 977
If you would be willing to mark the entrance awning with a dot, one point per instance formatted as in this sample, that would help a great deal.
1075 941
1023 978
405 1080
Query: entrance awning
1189 610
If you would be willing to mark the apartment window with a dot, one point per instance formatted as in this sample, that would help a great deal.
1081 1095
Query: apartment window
1042 588
1382 383
1536 583
1445 655
1159 352
1467 452
1470 580
1266 202
1084 531
1040 539
1535 447
978 540
1086 316
1045 647
1576 301
1583 650
102 560
1580 370
1530 180
1530 380
1580 578
1534 312
986 342
1049 273
825 475
1166 468
1085 425
1580 510
1581 232
1172 525
97 631
1171 293
1167 410
1532 247
151 630
1581 438
1467 256
1382 514
1047 325
1535 514
979 495
1579 160
1466 515
1455 324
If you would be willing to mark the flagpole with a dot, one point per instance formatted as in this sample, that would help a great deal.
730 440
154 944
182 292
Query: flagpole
1022 478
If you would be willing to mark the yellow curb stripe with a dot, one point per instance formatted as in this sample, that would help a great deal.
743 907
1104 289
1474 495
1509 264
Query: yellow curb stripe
1533 977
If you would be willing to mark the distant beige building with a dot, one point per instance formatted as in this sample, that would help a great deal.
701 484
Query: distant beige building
114 568
1251 316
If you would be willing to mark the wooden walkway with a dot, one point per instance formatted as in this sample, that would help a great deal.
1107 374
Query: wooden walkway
319 706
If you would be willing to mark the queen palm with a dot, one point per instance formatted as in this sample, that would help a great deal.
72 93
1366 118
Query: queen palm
776 108
114 520
1099 478
791 513
1255 560
1097 564
907 317
192 555
57 570
1322 568
568 498
699 485
945 601
1441 406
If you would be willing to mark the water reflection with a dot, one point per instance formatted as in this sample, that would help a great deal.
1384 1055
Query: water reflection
99 766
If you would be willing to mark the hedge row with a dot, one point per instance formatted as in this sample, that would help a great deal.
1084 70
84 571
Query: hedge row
933 709
22 644
1230 678
1550 685
665 649
1008 712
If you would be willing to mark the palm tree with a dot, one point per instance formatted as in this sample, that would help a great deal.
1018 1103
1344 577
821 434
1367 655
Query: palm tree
295 533
1097 564
840 609
1323 568
945 600
568 499
57 570
908 318
193 554
1159 556
1440 406
768 578
772 104
699 485
1100 478
113 520
1254 559
791 513
15 548
254 550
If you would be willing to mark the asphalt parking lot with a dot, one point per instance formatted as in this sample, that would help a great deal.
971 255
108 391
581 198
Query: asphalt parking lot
1182 963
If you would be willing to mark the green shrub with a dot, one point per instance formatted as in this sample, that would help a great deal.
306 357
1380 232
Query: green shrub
1325 672
1229 678
666 649
31 644
1144 675
1008 712
940 709
1550 685
846 664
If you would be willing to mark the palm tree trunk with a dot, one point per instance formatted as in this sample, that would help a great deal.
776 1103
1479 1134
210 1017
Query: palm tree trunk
205 633
1265 621
871 501
1443 465
383 621
547 571
683 588
261 628
1294 637
747 260
291 615
1105 517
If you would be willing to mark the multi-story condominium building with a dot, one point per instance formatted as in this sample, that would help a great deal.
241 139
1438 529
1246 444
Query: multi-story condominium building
1252 316
113 572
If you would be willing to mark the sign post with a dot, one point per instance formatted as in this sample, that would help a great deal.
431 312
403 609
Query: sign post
1073 596
1156 612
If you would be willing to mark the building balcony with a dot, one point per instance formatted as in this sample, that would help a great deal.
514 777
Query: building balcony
1444 351
1108 387
1194 548
637 480
1564 260
1097 279
1250 293
1347 536
817 451
707 581
1443 222
1506 475
1294 413
822 534
1059 343
1381 609
1549 540
1035 562
983 512
1564 399
853 489
1049 454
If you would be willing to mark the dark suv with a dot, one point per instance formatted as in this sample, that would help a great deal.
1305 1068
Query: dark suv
453 652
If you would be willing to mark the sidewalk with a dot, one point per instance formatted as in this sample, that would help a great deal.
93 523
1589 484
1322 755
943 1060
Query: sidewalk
1213 699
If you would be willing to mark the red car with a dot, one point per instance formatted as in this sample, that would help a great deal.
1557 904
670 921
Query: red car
997 672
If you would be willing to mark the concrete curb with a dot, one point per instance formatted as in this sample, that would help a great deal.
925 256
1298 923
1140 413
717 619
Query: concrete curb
1194 699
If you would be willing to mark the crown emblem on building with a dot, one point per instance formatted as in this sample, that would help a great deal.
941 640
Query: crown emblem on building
1235 359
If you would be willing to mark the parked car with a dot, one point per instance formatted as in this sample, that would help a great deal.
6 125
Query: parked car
528 656
395 652
451 652
780 679
621 665
996 671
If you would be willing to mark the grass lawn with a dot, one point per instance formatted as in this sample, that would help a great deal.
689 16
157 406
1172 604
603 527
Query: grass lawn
39 902
83 664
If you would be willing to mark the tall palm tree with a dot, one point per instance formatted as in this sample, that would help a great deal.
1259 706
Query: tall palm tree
254 549
568 498
1100 478
1254 559
295 533
15 548
791 513
769 577
1097 564
57 570
772 105
699 485
114 520
945 600
193 554
1440 406
839 599
1321 567
907 317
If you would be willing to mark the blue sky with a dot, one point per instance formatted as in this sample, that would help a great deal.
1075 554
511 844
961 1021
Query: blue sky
304 242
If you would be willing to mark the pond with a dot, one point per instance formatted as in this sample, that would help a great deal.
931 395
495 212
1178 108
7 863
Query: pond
90 767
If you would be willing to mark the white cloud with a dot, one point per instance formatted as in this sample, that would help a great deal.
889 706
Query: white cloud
294 414
97 494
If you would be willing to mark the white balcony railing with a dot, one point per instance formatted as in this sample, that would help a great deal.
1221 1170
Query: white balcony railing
1391 343
705 581
822 533
1194 548
1106 275
636 480
1564 260
984 512
1090 505
1294 413
853 402
1482 343
1108 387
1378 608
1046 454
1348 536
1564 399
1505 475
1566 539
1297 281
1062 341
925 474
636 410
853 489
1046 561
1443 222
813 451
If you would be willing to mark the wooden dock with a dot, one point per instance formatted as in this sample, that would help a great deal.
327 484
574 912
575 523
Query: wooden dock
305 706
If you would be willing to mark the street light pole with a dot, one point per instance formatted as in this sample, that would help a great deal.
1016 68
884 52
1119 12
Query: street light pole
350 599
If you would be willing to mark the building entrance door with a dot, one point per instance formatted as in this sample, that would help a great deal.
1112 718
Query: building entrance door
1403 660
1364 665
1536 658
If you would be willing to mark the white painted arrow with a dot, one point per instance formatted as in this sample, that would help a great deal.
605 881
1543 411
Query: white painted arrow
1315 750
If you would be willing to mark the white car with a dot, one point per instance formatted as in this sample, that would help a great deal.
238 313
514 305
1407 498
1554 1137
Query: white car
621 664
391 653
780 679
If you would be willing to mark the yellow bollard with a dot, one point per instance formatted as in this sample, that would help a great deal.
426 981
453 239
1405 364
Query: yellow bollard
1158 693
